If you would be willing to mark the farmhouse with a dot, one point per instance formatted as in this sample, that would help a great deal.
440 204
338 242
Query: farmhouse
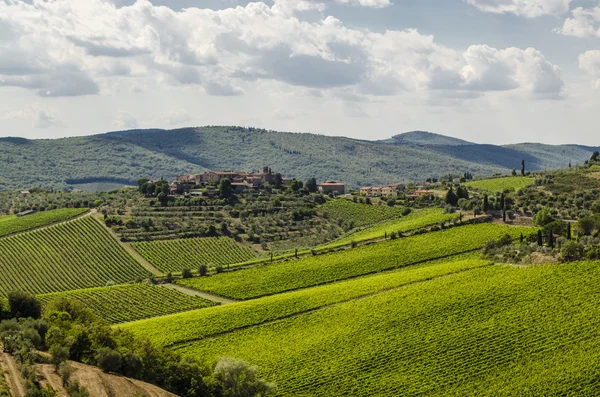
389 190
332 187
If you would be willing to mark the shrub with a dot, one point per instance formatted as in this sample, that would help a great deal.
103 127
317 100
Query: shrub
108 360
186 273
219 269
169 278
571 251
202 270
24 304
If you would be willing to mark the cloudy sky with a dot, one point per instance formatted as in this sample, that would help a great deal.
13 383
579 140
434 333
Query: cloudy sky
490 71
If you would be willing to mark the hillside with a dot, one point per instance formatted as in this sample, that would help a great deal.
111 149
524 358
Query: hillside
120 158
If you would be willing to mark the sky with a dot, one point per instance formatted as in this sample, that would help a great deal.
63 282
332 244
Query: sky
488 71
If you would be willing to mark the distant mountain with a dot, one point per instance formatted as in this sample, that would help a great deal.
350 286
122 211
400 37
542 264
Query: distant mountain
122 157
424 138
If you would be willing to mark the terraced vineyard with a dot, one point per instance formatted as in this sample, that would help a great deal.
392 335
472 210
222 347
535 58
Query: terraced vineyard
131 302
199 324
413 221
360 214
10 224
71 255
176 255
498 184
491 331
315 270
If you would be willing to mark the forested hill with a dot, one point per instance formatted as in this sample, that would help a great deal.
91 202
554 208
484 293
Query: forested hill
123 157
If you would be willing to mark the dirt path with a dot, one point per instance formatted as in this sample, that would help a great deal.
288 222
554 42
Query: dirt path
149 266
205 295
13 375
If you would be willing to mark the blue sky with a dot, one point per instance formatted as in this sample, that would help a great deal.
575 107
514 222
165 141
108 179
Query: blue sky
490 71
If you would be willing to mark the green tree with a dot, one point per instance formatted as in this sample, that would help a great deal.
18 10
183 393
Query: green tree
540 238
108 360
486 203
311 185
235 378
59 354
571 251
451 197
225 189
295 185
543 217
24 304
595 156
523 167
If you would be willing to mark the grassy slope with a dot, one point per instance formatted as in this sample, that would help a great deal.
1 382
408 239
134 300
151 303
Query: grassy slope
198 324
492 331
498 184
72 255
131 302
413 221
175 255
10 224
315 270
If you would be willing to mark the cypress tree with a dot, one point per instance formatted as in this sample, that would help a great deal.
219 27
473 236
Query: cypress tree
504 216
540 239
550 239
569 231
522 238
502 201
486 203
523 167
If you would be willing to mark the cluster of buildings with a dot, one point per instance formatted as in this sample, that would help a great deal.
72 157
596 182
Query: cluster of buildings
240 181
393 190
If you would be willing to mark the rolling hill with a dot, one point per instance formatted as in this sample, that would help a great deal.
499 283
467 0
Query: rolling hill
123 157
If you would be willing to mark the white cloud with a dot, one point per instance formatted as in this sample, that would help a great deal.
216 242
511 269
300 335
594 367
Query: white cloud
38 115
525 8
66 48
584 23
174 118
125 121
590 63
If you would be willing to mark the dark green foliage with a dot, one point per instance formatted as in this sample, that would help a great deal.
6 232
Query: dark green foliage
23 304
225 188
486 203
451 197
311 185
540 238
202 270
186 273
108 360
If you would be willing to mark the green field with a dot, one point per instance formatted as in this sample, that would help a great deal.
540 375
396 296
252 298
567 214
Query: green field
491 331
499 184
360 214
326 268
176 255
131 302
413 221
10 224
71 255
195 325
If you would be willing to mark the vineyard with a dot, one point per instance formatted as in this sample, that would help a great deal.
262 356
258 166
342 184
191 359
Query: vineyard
11 224
415 220
71 255
176 255
499 184
190 326
490 331
360 214
131 302
326 268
